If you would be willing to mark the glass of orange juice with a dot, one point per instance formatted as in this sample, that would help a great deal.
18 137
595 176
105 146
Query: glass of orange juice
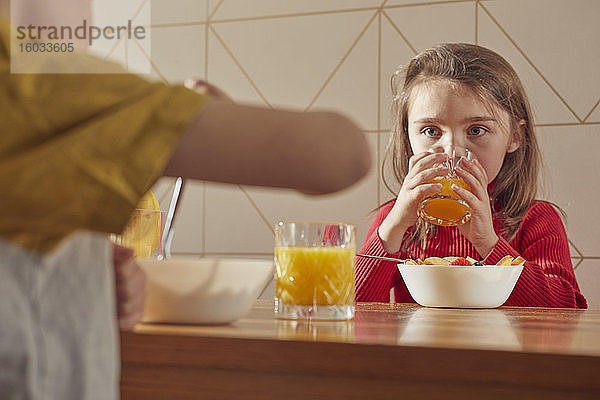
314 270
144 230
143 233
445 207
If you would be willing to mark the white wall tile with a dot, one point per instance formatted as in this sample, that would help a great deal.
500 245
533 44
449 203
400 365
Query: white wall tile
290 59
546 104
570 158
260 8
395 51
178 11
233 224
178 52
225 71
427 25
384 194
118 13
556 36
412 3
353 87
588 278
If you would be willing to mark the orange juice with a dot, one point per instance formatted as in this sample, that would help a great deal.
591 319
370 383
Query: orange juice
315 275
445 207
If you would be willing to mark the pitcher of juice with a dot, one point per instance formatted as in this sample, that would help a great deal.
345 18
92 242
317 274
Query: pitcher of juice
445 207
314 270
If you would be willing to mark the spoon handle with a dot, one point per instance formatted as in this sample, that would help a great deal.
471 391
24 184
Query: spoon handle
380 258
168 231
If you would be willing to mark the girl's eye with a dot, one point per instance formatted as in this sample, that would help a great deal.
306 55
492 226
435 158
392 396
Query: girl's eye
429 131
477 131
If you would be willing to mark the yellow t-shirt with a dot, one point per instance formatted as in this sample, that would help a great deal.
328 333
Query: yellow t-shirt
77 151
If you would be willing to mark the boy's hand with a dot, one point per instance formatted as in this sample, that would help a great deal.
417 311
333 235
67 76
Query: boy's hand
130 282
201 86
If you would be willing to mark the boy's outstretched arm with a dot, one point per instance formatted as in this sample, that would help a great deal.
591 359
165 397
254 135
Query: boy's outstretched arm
315 152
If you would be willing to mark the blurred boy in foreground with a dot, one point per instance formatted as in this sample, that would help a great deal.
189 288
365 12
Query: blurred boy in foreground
77 153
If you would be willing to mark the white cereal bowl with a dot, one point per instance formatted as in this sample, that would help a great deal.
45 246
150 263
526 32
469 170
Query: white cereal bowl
202 291
458 286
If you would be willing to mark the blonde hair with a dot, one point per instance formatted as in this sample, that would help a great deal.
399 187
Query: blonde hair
492 78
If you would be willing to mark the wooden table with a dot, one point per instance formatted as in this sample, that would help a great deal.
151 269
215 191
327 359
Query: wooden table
395 351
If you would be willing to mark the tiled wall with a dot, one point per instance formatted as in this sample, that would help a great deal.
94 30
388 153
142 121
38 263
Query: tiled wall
340 54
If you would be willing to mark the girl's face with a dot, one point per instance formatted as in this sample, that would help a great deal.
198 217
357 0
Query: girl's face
443 113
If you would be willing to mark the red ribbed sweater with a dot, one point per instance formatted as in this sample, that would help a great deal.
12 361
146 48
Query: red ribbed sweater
547 280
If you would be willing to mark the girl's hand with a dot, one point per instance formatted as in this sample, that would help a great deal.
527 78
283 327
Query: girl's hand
130 282
479 230
404 214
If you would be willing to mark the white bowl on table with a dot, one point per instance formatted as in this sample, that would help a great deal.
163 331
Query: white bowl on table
202 291
458 286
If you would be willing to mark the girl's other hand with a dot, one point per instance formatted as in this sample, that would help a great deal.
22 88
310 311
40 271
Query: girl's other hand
130 283
479 230
422 169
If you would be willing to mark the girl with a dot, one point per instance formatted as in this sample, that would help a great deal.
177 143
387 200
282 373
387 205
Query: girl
466 95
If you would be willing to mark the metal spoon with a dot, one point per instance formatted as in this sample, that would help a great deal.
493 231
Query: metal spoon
167 238
380 258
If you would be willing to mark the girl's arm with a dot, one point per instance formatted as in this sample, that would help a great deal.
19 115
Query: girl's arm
375 278
548 278
315 152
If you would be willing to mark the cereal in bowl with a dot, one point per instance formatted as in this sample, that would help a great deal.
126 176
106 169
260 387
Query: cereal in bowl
463 261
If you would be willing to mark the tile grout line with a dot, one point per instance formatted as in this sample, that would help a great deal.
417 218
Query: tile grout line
476 22
428 3
294 15
240 66
591 111
139 9
580 256
575 247
112 50
338 66
378 141
162 77
175 24
530 62
260 213
306 14
203 216
212 14
558 124
203 183
206 32
400 33
338 11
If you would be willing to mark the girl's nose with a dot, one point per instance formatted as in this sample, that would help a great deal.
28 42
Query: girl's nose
453 139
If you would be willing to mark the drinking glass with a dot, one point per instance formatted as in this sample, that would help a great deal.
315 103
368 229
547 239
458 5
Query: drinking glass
445 207
143 233
314 270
